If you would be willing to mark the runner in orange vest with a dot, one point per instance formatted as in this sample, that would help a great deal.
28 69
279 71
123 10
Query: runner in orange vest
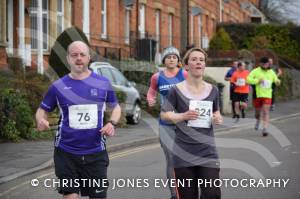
241 90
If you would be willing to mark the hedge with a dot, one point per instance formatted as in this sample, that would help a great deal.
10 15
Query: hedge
16 119
282 39
221 41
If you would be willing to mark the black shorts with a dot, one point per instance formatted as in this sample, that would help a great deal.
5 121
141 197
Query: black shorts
86 174
231 92
240 97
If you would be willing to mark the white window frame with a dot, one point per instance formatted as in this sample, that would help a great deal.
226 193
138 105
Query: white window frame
142 11
192 29
157 29
60 16
200 29
45 13
10 35
170 27
127 25
104 19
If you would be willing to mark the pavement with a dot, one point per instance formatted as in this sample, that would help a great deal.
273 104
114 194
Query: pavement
19 159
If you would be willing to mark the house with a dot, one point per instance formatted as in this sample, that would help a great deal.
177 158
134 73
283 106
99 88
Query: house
118 29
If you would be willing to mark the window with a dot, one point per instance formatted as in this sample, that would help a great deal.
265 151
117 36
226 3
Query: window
170 27
127 25
157 29
60 16
200 30
142 21
34 23
103 19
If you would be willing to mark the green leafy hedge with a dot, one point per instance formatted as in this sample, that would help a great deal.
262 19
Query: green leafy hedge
284 90
282 39
221 41
16 119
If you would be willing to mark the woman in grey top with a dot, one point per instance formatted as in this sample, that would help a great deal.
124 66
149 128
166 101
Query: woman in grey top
193 105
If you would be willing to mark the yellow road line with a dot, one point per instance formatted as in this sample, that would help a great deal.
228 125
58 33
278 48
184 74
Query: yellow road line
114 156
132 151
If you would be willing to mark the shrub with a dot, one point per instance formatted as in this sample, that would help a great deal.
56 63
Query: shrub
284 90
282 39
240 33
6 77
9 131
221 41
34 86
259 42
16 115
294 33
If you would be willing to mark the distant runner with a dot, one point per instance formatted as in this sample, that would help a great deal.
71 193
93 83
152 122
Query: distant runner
263 77
241 90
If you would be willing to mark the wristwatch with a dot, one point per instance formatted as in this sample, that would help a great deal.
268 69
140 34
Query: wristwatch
112 122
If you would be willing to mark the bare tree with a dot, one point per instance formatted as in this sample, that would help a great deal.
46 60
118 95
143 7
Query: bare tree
280 11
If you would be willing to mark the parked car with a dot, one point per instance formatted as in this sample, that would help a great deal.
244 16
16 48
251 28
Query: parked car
117 79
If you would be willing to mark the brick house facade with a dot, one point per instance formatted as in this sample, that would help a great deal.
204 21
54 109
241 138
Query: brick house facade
116 28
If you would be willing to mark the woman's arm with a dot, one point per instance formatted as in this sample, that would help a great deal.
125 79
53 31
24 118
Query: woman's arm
179 117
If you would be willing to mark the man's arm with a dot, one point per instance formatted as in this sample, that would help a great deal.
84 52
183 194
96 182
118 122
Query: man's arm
233 78
42 120
152 91
109 128
276 79
279 72
251 79
227 76
116 114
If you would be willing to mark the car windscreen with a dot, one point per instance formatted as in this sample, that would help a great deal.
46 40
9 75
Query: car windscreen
120 79
106 72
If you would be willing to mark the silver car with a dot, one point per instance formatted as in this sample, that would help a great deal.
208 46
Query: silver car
117 79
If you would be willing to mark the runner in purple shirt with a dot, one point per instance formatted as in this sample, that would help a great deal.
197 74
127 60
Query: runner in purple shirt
82 97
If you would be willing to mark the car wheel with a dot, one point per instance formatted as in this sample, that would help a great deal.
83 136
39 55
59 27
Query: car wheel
136 116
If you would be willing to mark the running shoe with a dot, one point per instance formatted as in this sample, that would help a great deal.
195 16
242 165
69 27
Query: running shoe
256 127
265 132
243 113
237 118
272 108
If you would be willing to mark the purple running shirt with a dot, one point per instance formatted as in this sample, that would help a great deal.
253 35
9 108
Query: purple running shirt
81 104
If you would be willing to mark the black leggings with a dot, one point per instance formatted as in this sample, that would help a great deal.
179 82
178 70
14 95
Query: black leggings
195 173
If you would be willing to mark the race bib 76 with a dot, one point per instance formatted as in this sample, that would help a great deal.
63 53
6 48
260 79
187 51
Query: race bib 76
84 116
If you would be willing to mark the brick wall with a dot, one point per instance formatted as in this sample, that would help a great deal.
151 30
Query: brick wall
116 23
3 58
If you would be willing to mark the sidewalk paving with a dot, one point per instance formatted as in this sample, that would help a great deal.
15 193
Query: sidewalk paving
19 159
